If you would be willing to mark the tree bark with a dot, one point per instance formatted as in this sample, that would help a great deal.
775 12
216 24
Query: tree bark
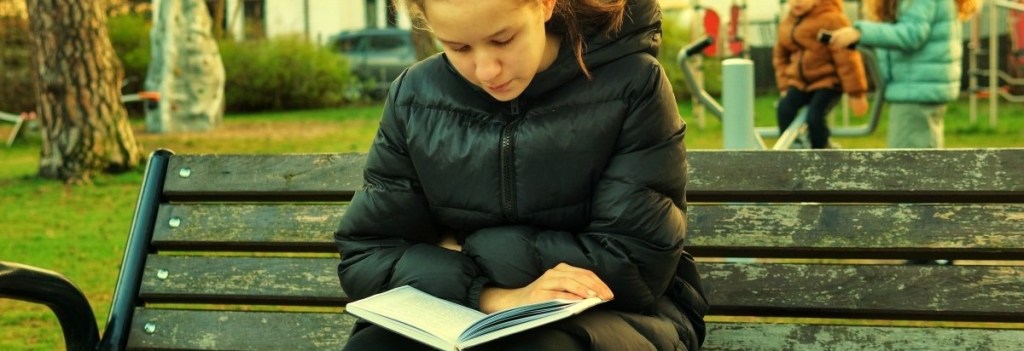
85 127
218 20
186 69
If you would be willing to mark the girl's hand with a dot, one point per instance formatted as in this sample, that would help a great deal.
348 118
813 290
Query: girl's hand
844 37
561 282
859 105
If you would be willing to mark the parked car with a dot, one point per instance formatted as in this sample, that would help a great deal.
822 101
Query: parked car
376 56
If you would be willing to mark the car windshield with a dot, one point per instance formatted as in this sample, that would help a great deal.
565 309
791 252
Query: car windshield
385 43
346 44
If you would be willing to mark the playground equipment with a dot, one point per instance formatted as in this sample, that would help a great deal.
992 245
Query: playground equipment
150 98
726 41
1015 15
19 122
738 95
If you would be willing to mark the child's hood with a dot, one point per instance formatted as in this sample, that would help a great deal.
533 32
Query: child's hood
640 32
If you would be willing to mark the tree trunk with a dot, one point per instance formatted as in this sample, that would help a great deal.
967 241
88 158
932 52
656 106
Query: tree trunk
186 69
218 20
85 127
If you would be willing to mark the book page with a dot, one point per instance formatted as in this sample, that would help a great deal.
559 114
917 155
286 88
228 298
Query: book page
496 320
522 318
412 307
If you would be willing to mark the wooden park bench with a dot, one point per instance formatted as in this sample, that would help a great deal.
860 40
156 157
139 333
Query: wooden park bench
236 252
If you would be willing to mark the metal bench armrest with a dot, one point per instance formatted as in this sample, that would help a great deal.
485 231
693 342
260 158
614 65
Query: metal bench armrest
27 283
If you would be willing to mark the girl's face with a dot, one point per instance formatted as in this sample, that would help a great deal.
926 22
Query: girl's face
801 7
498 45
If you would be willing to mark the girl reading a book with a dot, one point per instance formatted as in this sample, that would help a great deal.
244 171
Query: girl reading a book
539 156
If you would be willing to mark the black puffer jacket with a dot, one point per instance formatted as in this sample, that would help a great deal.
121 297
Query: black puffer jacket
587 172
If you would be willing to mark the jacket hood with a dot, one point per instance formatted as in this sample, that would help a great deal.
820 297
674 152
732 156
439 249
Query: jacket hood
824 6
640 32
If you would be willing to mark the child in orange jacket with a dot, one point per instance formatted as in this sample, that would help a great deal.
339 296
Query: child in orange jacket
810 73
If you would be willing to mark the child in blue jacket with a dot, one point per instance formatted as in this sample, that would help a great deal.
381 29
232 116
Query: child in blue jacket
919 48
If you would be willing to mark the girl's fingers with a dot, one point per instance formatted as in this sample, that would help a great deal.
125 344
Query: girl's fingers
581 282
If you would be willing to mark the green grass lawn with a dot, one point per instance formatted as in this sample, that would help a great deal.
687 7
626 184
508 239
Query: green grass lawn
80 231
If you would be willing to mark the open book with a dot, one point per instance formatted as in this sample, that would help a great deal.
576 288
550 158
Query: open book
445 325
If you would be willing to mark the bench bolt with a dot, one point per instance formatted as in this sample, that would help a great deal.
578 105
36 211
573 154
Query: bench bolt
184 172
174 222
150 328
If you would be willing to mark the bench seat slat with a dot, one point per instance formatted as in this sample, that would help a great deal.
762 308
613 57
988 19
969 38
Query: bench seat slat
238 330
773 337
242 280
955 293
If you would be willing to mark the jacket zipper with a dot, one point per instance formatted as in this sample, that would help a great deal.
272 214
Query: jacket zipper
508 195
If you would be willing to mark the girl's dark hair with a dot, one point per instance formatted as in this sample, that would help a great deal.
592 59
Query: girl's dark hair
574 20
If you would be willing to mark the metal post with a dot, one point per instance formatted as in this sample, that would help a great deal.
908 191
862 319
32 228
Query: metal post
993 64
738 103
305 21
696 31
972 69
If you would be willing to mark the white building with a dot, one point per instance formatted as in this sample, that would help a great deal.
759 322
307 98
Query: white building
317 20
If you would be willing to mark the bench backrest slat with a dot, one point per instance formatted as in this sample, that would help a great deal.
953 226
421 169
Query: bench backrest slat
968 293
247 227
227 330
328 177
858 291
811 337
856 175
972 231
305 281
237 330
832 175
960 231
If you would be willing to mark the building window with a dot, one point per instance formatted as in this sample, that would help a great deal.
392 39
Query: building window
253 11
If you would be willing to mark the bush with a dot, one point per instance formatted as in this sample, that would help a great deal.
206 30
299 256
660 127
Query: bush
674 37
281 74
129 34
17 85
